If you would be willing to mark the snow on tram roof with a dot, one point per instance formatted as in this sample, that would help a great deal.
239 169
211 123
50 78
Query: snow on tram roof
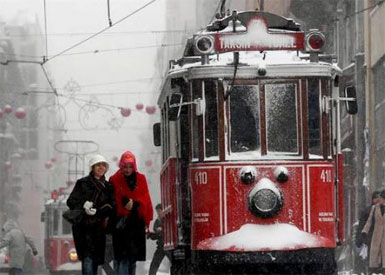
255 58
279 64
61 200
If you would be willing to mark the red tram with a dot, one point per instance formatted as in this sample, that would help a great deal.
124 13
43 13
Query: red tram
59 249
252 174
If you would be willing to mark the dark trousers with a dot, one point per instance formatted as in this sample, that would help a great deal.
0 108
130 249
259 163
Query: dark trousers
89 267
125 267
157 260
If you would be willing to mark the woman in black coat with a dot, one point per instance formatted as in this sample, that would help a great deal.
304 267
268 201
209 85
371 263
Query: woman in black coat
96 196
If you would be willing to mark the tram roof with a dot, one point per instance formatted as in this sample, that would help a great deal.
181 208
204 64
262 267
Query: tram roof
278 64
60 201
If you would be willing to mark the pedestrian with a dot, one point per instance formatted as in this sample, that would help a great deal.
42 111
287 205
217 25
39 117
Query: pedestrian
157 235
16 241
376 223
95 195
134 213
362 261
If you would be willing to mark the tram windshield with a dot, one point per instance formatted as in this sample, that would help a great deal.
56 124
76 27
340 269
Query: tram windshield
264 118
244 119
281 118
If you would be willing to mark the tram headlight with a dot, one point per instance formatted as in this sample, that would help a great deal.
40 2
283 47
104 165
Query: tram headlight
248 174
265 199
281 174
72 255
204 44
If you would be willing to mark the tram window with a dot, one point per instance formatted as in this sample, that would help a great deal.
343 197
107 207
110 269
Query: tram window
66 227
211 119
165 134
281 118
196 93
314 117
55 222
244 119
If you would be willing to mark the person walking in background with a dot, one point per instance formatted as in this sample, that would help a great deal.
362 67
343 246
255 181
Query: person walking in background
157 235
16 241
376 224
134 213
95 195
362 247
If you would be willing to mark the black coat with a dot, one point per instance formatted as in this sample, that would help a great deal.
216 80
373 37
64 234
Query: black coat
130 242
89 235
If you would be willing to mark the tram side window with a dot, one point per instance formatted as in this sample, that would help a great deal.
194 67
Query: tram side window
244 119
314 117
281 118
165 134
66 227
196 93
211 119
55 220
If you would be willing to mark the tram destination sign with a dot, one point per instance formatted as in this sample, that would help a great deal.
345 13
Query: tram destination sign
259 38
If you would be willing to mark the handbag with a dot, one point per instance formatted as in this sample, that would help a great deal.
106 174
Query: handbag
73 216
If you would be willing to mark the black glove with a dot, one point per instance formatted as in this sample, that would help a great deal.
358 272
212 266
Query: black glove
122 223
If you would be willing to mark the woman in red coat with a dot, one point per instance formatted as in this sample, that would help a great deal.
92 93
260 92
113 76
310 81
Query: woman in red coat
134 213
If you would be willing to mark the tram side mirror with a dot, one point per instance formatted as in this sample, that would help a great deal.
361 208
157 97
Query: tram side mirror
156 133
351 100
42 216
174 106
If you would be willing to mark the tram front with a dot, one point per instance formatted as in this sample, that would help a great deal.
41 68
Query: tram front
252 169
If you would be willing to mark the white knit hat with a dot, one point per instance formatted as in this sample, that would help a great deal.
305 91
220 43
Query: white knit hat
98 159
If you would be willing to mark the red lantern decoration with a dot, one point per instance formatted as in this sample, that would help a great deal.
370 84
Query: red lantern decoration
53 159
7 109
1 113
150 110
139 106
125 111
47 165
7 164
20 113
54 195
148 162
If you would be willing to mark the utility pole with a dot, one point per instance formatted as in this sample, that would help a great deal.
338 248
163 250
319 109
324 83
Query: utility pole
369 95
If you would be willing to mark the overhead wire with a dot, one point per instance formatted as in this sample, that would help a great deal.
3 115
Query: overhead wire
368 8
122 49
106 33
101 31
101 51
362 10
96 84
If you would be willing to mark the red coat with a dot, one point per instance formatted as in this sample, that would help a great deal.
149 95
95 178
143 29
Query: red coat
139 194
